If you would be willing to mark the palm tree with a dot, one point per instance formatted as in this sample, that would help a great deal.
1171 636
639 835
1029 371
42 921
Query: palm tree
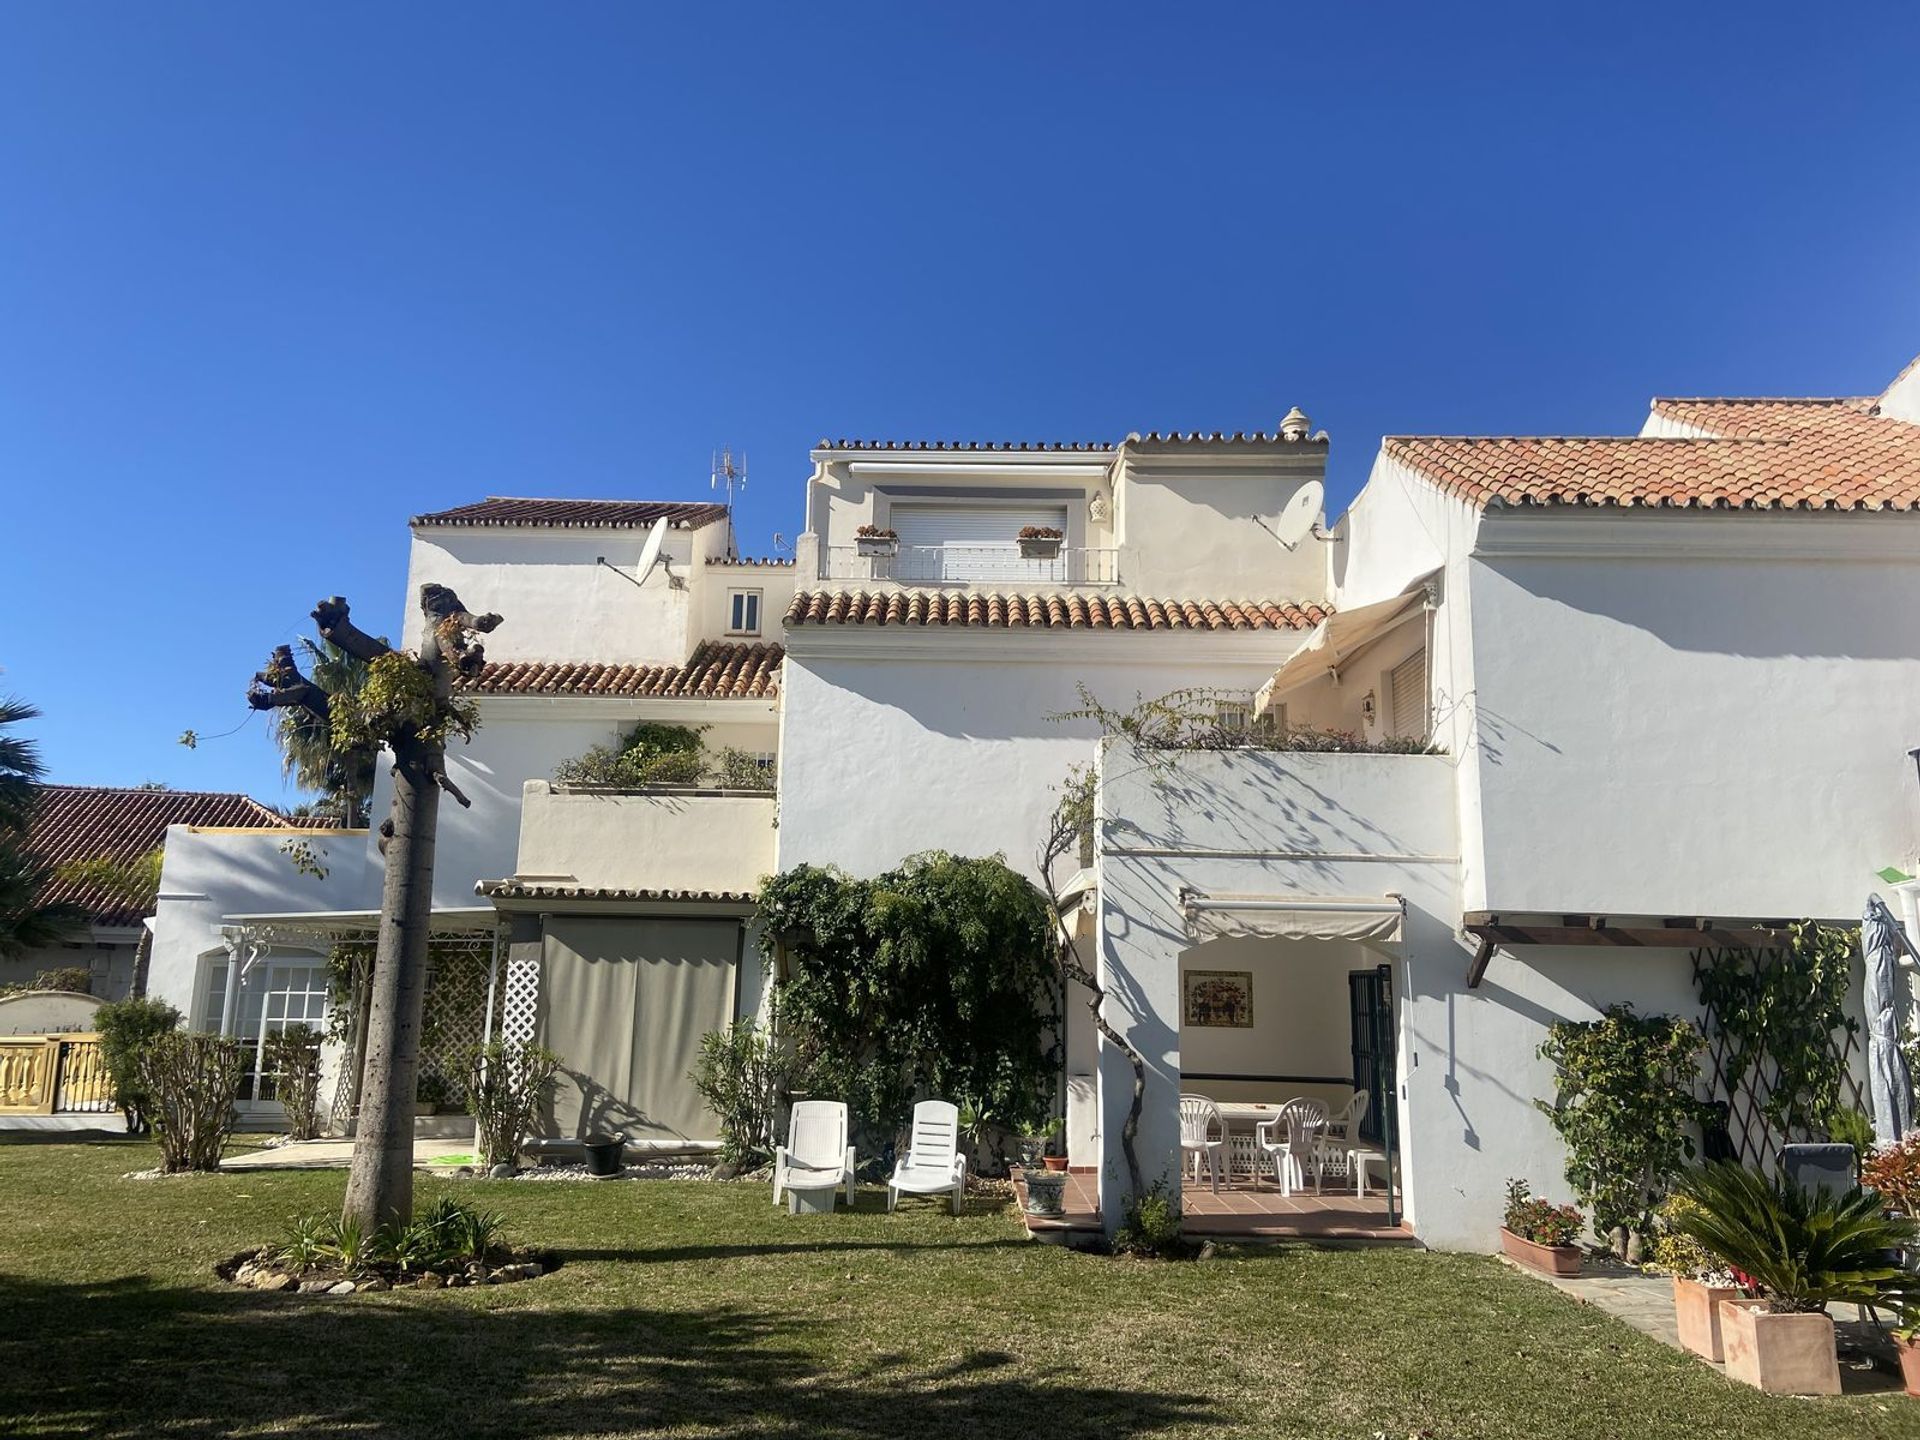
308 754
20 766
25 923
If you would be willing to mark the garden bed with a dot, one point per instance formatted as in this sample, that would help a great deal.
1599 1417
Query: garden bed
260 1269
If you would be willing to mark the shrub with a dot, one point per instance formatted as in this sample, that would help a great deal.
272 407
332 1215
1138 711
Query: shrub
446 1233
75 978
1677 1253
935 978
1894 1172
1801 1249
1150 1228
1540 1221
292 1058
743 1075
1624 1106
651 753
193 1080
127 1028
505 1085
736 769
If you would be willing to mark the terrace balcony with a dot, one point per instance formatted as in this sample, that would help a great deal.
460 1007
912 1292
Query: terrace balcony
999 565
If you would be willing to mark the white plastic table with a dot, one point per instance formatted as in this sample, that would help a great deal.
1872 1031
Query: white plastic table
1359 1159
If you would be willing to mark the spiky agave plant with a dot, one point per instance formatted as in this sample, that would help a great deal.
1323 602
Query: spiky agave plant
1803 1249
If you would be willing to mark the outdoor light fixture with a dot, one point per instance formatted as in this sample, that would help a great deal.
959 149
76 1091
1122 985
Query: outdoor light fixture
1366 710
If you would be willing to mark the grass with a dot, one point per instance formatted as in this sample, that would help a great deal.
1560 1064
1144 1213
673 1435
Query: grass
688 1309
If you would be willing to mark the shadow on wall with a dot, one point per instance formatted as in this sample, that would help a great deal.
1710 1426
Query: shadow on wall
523 1372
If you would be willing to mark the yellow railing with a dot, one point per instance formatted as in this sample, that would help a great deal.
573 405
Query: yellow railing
53 1074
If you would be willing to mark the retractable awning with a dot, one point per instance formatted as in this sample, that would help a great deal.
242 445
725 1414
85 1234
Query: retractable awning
1338 639
1293 917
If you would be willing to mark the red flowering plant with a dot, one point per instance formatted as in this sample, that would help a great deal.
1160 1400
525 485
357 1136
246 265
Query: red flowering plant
875 532
1894 1171
1042 532
1541 1221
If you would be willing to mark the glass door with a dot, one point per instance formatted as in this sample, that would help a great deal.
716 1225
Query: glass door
277 994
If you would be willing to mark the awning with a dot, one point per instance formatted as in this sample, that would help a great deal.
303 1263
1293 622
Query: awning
1292 917
1338 639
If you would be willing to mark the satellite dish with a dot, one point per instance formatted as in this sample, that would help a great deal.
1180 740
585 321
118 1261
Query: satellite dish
650 552
1300 516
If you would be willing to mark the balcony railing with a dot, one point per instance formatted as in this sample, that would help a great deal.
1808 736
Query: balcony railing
975 564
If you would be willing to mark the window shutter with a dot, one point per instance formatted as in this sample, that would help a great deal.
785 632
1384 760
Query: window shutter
1408 681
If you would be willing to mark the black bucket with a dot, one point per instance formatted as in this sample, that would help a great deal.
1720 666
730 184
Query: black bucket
605 1155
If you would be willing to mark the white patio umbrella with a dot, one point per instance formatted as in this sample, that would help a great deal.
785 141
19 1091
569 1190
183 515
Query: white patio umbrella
1882 940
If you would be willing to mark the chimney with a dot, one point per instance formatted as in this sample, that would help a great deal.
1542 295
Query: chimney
1295 426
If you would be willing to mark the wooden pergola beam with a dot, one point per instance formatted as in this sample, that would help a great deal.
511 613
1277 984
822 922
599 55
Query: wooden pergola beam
1506 930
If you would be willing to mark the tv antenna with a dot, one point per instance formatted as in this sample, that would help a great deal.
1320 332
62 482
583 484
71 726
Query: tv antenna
733 476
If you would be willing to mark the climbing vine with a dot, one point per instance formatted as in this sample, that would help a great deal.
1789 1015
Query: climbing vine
1782 1015
1625 1107
933 979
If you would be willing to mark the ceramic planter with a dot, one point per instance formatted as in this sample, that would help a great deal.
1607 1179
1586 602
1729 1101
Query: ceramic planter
1909 1352
876 547
1782 1354
1561 1260
1046 1192
1696 1310
1040 549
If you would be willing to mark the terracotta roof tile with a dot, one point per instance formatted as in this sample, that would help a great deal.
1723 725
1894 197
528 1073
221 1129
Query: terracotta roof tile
92 822
753 562
983 446
1761 454
527 890
578 514
717 671
1050 611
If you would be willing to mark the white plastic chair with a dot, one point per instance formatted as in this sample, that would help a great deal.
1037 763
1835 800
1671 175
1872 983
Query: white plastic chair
816 1154
1291 1142
1343 1130
1200 1119
933 1163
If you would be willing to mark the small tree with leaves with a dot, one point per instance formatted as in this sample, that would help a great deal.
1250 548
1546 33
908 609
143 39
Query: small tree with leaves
407 708
1624 1106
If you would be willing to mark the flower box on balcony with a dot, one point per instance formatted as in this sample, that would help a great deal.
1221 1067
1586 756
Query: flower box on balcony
1040 542
876 544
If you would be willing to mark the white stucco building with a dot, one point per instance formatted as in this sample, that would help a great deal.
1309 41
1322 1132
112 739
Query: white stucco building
1666 682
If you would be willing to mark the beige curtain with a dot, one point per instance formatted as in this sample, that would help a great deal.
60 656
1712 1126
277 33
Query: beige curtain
624 1002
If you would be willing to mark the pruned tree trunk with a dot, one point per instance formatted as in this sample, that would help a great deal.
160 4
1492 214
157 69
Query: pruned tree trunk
380 1183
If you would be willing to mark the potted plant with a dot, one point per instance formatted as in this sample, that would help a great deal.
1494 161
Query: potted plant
606 1155
1041 542
1701 1284
1034 1144
1799 1251
1046 1192
430 1092
1540 1235
1894 1172
875 542
1906 1344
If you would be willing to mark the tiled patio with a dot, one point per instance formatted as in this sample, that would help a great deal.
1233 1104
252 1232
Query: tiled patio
1240 1211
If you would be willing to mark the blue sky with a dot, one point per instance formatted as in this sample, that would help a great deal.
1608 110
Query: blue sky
272 278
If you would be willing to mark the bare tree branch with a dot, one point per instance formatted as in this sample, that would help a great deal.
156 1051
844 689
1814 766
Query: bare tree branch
332 616
440 779
453 625
279 685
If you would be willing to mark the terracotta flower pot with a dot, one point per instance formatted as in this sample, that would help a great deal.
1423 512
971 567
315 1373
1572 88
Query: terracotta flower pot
1909 1352
1783 1354
1696 1310
1054 1162
1561 1260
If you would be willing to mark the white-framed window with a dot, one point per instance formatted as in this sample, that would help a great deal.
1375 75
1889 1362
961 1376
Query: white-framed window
274 995
1407 686
1234 715
743 612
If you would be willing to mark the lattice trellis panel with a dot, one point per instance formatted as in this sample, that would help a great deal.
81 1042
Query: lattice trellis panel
455 1014
1750 1136
520 1005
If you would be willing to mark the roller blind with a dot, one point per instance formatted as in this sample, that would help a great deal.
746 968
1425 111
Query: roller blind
970 542
1409 685
624 1002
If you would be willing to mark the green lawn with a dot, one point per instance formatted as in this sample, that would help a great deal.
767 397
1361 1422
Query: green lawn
696 1310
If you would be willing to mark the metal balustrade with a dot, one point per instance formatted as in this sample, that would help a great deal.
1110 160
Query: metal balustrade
974 564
